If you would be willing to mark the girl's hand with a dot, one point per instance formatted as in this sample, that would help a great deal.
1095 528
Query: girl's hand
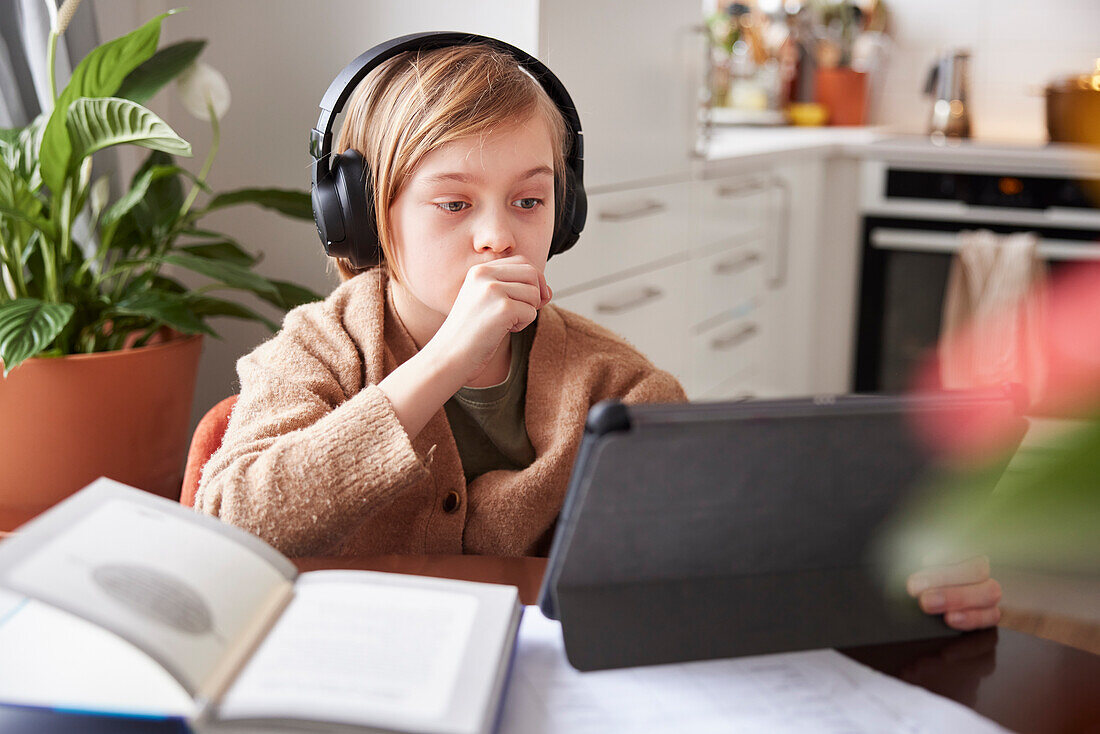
963 592
496 298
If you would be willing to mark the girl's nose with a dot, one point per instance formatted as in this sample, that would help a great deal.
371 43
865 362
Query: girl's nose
494 235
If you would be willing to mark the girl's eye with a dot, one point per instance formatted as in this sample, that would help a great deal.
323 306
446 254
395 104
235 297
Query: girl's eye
452 206
529 203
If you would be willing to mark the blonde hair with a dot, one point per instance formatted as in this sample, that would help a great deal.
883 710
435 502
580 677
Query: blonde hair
420 100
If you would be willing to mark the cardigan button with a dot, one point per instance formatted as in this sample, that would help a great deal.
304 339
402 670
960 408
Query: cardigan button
451 501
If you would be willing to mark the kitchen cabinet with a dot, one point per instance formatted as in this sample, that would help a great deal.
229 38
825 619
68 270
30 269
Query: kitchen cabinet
691 274
628 230
628 272
731 301
729 323
633 71
644 309
688 263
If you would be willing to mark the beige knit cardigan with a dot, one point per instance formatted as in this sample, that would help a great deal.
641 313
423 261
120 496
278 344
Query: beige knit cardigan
315 461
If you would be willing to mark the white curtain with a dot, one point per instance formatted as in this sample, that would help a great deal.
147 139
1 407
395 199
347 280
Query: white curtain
24 30
24 79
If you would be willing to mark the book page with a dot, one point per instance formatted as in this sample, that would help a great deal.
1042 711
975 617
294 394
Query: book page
380 650
50 658
178 587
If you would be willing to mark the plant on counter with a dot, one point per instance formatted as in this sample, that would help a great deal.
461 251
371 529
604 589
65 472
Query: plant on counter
840 24
80 274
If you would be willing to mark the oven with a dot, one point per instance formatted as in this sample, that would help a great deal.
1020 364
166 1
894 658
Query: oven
910 216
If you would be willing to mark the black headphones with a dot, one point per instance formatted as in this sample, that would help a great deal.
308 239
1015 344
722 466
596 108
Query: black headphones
341 207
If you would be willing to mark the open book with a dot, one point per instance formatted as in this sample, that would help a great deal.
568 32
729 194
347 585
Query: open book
120 601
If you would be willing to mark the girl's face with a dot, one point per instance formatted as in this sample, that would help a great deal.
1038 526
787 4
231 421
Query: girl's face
471 201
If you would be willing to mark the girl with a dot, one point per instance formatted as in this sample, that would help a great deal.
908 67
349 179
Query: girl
435 403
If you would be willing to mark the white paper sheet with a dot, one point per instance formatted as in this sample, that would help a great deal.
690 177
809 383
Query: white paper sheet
815 691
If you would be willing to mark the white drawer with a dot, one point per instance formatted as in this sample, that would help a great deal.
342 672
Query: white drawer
726 351
741 386
647 310
724 280
625 230
729 208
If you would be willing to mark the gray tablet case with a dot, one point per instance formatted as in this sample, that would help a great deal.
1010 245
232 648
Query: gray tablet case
712 530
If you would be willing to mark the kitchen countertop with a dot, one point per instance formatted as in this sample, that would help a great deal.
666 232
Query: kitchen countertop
776 143
780 144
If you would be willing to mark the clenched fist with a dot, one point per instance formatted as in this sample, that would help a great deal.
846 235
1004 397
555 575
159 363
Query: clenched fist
496 298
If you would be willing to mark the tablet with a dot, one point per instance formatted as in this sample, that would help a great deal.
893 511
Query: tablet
707 530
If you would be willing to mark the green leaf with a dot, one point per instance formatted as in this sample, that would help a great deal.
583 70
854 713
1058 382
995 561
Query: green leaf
158 212
203 186
170 285
137 192
150 280
30 245
42 225
170 308
292 203
36 275
1046 517
15 193
290 295
207 306
228 273
138 284
226 251
20 206
99 74
145 81
207 233
1042 515
22 155
9 137
97 123
27 326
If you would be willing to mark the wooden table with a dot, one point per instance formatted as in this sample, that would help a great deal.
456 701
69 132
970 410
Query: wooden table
1022 682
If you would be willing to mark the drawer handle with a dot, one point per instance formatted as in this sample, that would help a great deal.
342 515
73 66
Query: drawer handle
728 341
733 191
633 211
631 301
735 264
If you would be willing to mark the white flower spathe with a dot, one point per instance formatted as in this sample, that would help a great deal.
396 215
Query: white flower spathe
201 82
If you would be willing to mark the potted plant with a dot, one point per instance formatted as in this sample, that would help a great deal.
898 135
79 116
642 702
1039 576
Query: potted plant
99 344
840 83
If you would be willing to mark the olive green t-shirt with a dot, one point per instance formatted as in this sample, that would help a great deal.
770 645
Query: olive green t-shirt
488 422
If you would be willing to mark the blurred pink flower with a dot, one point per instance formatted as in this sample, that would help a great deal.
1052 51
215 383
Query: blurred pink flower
1071 349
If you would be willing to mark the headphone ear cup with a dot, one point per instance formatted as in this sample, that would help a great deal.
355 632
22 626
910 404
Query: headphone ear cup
328 217
563 215
570 215
352 182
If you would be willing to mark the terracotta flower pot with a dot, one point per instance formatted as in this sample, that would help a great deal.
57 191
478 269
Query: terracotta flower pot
65 421
844 92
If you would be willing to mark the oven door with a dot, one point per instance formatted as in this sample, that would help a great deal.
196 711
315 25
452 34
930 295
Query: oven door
903 283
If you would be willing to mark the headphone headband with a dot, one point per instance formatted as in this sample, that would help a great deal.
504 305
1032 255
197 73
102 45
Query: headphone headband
343 211
320 139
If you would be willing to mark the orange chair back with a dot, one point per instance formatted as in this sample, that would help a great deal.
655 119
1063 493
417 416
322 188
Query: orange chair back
207 439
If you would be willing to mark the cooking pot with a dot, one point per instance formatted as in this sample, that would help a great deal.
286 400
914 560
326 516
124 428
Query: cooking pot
1073 108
